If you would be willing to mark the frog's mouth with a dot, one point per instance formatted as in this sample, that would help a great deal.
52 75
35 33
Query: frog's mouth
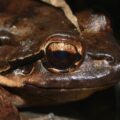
66 64
93 73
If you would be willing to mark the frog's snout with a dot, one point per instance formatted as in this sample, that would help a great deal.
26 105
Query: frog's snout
63 54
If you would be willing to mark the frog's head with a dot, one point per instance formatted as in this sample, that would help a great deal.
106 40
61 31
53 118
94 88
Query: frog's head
69 61
49 57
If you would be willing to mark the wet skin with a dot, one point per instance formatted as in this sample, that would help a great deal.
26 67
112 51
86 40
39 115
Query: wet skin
44 58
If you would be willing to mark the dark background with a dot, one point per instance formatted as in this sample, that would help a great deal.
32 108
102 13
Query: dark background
109 7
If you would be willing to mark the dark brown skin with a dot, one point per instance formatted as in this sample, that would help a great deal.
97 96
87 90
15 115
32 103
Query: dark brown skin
26 32
7 110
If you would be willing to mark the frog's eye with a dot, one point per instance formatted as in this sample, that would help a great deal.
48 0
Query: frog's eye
62 54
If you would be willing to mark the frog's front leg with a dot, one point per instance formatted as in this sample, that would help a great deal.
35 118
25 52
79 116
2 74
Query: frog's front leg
7 110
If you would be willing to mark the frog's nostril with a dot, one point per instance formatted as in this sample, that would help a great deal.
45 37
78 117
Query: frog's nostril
6 38
63 54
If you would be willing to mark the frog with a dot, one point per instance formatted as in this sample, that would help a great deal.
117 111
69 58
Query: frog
45 60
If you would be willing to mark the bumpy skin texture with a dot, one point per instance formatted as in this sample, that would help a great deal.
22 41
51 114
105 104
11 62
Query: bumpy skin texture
25 28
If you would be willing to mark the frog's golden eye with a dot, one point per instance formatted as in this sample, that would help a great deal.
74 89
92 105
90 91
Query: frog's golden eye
62 54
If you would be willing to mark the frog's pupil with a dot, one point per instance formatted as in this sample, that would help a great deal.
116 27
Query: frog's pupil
60 54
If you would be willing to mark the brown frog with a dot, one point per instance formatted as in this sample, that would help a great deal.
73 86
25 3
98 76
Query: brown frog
44 60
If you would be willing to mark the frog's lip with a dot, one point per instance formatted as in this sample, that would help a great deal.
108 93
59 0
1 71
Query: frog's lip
83 78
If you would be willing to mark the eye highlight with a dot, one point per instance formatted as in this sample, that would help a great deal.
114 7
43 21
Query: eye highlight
62 54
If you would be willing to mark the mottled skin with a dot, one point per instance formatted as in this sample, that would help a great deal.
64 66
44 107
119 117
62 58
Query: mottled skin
7 110
25 27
